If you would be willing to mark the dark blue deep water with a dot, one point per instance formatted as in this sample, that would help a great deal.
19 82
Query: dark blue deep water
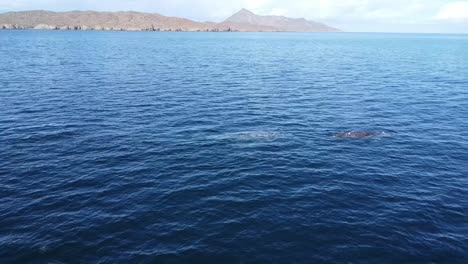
142 147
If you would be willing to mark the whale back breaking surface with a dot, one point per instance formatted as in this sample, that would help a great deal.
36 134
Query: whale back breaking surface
362 134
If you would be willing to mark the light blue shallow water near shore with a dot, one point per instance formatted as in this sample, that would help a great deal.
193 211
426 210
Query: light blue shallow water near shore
143 147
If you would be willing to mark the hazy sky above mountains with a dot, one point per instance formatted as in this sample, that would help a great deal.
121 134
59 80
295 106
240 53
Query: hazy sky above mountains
449 16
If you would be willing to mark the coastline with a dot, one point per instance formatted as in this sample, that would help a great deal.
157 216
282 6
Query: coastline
88 28
91 28
242 21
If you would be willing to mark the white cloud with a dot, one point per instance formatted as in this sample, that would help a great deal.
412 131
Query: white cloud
256 5
456 11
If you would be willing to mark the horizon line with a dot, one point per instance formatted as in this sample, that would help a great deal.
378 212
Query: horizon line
209 21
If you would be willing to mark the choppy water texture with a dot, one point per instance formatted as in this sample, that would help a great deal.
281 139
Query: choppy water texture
142 147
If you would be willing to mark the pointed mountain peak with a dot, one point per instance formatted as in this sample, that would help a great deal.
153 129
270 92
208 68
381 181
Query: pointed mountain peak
243 16
278 23
245 11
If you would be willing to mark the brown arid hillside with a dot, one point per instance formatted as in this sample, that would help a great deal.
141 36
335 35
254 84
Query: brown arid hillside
244 21
279 23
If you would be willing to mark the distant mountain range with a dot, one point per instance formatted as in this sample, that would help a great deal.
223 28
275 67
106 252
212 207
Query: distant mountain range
279 23
244 21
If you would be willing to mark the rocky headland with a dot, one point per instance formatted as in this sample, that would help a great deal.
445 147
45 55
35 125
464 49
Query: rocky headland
243 21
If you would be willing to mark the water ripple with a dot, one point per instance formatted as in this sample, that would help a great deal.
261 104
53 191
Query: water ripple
122 147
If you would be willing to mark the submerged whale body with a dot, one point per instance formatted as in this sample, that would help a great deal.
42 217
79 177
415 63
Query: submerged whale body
247 136
260 135
361 134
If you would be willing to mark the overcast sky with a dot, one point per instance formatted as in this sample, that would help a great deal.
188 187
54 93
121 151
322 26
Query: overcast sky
445 16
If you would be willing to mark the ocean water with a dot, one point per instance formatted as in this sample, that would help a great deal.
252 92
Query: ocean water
144 147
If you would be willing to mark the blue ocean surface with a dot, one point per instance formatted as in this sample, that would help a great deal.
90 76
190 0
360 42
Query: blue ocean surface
152 147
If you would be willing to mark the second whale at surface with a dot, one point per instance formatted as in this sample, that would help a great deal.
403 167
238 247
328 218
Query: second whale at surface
362 134
249 136
262 135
